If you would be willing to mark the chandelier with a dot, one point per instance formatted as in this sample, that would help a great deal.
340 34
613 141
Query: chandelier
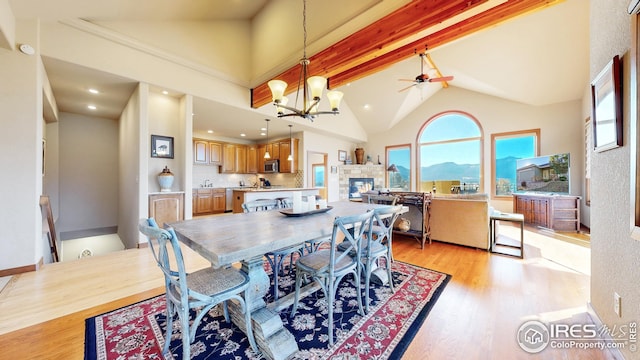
312 88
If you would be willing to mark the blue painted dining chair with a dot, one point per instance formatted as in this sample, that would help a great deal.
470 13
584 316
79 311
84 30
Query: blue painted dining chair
200 290
275 258
328 266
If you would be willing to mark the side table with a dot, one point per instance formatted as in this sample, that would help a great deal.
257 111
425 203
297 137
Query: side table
493 233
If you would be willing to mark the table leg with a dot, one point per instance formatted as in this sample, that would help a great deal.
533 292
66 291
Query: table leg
273 339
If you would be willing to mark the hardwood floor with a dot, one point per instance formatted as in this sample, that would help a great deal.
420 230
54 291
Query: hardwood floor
477 316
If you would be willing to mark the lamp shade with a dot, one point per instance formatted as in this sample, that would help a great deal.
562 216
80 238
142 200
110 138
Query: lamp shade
282 102
278 88
392 168
334 99
317 85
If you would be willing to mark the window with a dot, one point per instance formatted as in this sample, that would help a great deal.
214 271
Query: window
400 156
506 148
450 150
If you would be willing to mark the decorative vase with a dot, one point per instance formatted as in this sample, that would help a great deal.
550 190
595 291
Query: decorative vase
403 224
165 179
359 156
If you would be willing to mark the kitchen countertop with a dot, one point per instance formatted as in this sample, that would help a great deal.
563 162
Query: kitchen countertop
252 189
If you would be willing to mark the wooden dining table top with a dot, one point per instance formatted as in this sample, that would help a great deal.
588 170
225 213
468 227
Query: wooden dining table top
226 239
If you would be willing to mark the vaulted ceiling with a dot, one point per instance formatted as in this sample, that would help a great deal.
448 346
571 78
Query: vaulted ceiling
529 51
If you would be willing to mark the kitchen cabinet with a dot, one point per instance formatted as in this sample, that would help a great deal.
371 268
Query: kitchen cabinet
206 152
287 166
241 159
166 207
200 151
252 159
229 159
208 201
215 153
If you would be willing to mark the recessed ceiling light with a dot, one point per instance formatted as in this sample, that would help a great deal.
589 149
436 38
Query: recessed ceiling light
92 107
165 92
367 106
94 91
262 134
263 129
243 134
210 131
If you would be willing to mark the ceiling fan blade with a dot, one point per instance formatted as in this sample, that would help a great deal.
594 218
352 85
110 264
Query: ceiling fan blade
439 79
408 87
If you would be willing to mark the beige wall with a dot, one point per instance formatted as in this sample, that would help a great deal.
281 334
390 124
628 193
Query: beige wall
561 127
614 255
21 159
88 172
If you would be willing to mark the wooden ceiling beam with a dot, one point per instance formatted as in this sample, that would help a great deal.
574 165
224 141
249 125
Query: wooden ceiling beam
488 18
372 41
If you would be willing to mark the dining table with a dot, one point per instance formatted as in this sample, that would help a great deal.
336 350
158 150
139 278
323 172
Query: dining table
244 238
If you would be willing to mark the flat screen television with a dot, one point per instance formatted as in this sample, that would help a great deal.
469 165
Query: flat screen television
544 174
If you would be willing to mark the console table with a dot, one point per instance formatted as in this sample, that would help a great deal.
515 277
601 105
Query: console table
555 212
419 204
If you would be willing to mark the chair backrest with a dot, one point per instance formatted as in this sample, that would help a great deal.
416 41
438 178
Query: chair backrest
260 205
286 203
383 199
175 278
353 228
385 217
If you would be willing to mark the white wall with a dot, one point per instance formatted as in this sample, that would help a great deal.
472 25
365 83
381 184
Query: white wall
614 254
561 129
88 172
132 166
21 159
164 120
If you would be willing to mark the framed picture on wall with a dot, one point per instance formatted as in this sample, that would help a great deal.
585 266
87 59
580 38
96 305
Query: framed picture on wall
162 146
342 155
606 104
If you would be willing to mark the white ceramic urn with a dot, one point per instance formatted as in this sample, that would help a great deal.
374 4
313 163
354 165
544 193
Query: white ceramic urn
165 179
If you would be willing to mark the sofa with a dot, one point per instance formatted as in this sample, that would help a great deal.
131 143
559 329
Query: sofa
461 219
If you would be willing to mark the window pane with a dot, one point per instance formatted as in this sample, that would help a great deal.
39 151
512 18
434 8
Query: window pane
450 127
450 168
401 158
507 151
318 176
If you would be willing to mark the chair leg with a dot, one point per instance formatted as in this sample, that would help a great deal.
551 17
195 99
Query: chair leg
186 334
169 331
297 293
225 310
330 298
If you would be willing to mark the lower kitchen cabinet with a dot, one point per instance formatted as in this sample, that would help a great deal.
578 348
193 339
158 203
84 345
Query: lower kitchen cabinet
208 201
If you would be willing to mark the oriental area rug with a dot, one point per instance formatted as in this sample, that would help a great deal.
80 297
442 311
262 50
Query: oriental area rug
137 331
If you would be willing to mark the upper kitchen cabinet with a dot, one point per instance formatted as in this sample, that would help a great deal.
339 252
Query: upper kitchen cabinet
215 153
287 166
241 159
200 151
207 152
229 159
252 159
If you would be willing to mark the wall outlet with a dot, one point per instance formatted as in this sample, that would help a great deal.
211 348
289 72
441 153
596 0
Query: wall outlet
617 304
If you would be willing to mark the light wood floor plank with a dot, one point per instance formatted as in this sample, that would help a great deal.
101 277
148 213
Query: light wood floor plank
476 317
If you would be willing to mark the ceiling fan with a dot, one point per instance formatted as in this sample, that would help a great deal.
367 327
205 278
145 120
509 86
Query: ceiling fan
423 77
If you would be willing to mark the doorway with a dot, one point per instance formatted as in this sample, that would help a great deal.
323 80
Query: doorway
317 171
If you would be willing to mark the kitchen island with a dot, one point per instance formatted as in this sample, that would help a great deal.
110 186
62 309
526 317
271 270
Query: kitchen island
240 196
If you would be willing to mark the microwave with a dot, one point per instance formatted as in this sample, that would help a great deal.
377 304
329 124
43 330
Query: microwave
270 166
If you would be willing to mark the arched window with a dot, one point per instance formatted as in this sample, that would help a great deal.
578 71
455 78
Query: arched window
450 154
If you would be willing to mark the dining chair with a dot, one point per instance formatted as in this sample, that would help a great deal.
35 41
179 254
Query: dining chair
260 205
200 290
383 199
378 246
275 258
328 266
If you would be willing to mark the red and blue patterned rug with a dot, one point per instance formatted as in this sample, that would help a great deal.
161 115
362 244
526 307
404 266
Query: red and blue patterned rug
137 331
